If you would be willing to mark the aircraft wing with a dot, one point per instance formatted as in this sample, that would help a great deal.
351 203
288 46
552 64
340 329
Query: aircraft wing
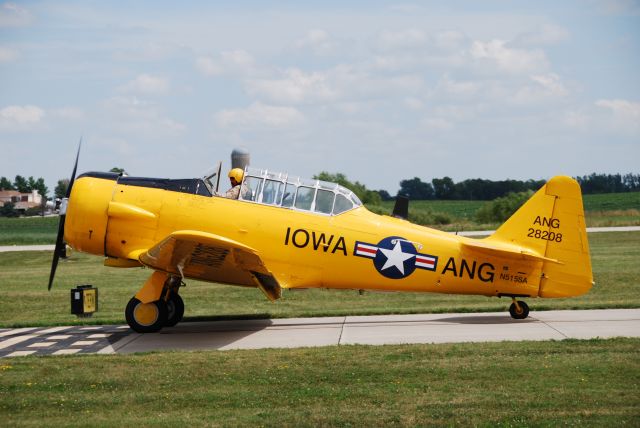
209 257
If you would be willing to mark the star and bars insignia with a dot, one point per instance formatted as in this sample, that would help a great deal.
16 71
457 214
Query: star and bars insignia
395 257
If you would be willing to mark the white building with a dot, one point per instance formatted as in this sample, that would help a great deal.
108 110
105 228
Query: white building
21 201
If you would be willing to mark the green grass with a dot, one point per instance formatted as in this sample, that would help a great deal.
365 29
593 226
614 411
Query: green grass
26 302
590 383
28 230
610 209
612 201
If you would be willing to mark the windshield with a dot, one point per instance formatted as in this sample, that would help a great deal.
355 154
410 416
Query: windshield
279 189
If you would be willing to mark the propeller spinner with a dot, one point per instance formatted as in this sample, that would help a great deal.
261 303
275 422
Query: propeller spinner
60 245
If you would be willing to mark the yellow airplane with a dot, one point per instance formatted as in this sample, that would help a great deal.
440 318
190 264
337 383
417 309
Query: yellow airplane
287 232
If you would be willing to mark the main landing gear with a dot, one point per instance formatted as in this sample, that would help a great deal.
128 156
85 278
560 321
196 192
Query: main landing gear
156 305
519 310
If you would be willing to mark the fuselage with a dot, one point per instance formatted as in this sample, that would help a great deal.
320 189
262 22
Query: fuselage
356 249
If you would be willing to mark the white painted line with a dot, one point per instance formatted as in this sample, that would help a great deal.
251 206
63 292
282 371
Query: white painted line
84 342
54 330
91 328
99 335
41 344
122 327
16 331
59 337
15 340
66 352
20 353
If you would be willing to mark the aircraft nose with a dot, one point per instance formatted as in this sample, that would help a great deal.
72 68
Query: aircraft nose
86 223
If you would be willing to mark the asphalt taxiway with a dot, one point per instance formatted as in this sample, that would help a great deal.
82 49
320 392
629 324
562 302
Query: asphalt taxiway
305 332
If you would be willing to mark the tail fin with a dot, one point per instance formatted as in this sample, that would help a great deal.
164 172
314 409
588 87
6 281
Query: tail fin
551 224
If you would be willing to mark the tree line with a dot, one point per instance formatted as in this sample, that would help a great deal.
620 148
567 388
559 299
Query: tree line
24 185
486 190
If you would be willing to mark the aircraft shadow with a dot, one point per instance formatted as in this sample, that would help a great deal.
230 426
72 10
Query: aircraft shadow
486 319
198 335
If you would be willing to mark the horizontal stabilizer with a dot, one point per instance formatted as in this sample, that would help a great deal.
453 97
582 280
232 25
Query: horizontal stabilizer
505 251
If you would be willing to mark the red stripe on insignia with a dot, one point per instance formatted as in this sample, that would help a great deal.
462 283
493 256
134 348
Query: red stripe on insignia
367 250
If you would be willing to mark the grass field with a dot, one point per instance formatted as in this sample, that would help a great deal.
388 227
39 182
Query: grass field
26 302
610 209
28 230
568 383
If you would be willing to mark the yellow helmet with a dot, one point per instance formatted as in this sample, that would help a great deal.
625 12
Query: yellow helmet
236 173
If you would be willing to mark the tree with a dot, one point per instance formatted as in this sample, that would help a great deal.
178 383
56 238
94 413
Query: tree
365 195
8 210
118 170
384 195
444 188
6 184
39 186
61 188
502 208
21 184
416 189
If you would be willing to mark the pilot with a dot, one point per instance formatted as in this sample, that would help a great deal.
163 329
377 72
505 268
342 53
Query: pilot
235 176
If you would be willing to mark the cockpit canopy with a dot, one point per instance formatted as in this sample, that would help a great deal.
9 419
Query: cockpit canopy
278 189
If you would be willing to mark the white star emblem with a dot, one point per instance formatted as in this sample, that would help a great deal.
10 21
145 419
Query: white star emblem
395 257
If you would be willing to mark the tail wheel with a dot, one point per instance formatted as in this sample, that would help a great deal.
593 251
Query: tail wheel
519 310
175 308
146 317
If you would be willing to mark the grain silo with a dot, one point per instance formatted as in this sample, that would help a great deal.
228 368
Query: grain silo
240 158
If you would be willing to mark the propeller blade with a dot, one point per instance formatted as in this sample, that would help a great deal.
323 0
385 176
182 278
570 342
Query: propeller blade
60 244
57 251
75 168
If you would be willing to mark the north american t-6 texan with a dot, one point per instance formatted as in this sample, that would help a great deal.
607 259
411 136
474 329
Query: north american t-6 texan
284 232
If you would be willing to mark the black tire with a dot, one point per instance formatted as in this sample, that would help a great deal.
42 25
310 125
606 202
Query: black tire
522 313
146 317
175 309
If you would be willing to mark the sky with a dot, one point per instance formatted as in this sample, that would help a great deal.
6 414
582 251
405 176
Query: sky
380 91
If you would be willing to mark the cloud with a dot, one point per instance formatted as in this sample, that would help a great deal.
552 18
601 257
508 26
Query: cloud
465 88
508 59
317 41
147 84
227 62
436 124
405 39
20 117
624 115
449 40
131 114
7 54
343 83
413 103
295 86
69 113
544 87
12 15
259 115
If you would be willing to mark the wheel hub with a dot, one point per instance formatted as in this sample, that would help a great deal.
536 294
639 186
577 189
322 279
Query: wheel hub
146 314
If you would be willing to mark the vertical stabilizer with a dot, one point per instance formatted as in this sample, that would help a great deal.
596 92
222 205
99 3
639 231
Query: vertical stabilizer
551 224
